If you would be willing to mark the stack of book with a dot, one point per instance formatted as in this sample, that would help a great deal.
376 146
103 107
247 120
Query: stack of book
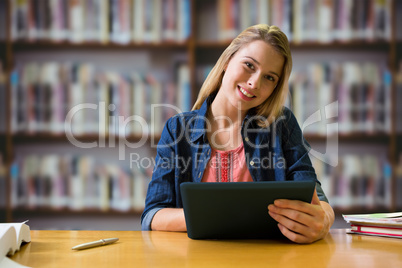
379 224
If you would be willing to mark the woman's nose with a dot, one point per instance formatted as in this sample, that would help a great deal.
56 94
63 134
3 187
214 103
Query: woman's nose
254 81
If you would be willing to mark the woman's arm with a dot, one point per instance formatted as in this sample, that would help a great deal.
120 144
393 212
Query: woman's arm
302 222
161 192
169 219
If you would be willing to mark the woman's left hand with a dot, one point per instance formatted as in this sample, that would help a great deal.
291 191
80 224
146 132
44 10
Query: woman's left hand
302 222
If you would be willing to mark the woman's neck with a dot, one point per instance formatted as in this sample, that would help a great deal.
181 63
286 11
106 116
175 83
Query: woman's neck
225 125
224 115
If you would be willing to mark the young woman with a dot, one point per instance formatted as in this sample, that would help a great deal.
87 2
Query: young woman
239 130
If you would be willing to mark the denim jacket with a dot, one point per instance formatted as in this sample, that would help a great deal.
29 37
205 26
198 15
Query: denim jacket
276 153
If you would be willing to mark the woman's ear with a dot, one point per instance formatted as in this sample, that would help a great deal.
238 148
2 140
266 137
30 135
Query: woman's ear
224 68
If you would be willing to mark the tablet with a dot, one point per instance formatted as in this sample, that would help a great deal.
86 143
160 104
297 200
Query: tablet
237 210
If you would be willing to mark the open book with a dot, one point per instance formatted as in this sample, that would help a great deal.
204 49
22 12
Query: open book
12 235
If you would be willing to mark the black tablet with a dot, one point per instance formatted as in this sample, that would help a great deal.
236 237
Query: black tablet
237 210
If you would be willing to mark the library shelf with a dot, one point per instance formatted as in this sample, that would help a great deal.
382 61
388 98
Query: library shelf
70 212
352 137
362 209
361 45
199 52
49 137
23 138
43 45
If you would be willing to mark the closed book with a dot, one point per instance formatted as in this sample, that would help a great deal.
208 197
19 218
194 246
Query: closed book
169 20
138 20
377 230
184 20
76 19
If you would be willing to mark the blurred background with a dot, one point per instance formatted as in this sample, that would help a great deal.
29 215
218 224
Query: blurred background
78 78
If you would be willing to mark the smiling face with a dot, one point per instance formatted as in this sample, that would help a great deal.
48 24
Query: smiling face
251 75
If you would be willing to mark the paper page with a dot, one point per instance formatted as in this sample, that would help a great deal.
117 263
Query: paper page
21 235
383 219
8 263
377 215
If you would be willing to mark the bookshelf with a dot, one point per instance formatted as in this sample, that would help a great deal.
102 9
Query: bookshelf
213 24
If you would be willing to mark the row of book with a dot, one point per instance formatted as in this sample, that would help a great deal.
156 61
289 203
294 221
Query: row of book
363 180
309 20
77 98
44 94
76 183
118 21
84 182
360 94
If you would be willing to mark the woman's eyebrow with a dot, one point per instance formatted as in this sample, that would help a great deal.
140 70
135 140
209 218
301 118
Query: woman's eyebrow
260 65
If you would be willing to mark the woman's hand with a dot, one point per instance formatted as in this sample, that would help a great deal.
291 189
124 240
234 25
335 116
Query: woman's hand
302 222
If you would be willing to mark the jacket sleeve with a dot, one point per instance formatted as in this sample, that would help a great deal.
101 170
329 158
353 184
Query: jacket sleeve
161 189
296 152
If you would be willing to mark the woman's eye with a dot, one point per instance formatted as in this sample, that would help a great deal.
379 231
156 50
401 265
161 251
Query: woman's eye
250 65
270 78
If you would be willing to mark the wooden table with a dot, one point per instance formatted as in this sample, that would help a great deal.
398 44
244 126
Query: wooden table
164 249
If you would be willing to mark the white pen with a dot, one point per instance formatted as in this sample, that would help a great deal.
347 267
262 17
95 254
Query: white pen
101 242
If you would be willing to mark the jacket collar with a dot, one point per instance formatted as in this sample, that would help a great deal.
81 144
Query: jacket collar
199 128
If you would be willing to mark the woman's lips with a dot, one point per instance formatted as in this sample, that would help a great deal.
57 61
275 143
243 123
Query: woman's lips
245 94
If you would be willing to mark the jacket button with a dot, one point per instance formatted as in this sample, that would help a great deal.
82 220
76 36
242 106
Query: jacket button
252 163
246 139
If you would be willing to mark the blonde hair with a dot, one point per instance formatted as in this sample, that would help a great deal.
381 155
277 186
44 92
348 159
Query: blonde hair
272 35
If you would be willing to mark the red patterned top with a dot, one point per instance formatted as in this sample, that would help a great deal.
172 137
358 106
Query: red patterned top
227 166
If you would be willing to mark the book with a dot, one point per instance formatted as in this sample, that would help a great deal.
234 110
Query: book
379 224
12 235
376 219
377 230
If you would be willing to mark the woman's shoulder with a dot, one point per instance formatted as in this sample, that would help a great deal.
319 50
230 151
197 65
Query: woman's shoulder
286 117
182 119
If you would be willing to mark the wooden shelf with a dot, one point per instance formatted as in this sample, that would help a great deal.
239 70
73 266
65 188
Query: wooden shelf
44 45
23 45
48 137
70 212
361 210
353 44
361 45
353 137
